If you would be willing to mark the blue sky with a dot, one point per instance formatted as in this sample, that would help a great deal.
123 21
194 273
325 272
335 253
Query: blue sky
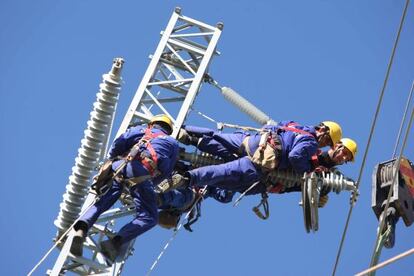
307 61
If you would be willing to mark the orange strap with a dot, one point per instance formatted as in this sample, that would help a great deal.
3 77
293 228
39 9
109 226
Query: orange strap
293 129
150 166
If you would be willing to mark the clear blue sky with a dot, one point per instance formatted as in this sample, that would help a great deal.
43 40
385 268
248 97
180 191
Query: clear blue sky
303 60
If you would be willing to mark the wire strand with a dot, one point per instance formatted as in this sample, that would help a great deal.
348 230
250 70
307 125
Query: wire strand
176 232
60 239
382 219
403 120
371 132
387 262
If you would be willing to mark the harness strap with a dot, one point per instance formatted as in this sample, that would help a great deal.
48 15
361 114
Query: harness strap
149 162
266 209
131 182
300 131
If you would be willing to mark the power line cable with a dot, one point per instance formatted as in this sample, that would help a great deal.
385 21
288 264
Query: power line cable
397 166
371 133
387 262
403 120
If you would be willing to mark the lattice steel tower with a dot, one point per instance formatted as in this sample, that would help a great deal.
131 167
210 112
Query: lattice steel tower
170 85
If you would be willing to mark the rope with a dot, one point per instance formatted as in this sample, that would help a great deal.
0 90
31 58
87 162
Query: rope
203 191
371 133
378 248
204 116
220 125
382 220
61 237
403 120
387 262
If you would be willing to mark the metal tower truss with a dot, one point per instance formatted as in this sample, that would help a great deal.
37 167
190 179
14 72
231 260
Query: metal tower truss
170 85
176 71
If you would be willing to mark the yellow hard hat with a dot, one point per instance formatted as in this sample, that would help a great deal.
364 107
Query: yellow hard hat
351 145
335 131
164 119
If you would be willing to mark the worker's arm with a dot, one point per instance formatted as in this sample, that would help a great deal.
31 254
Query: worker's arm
300 155
125 141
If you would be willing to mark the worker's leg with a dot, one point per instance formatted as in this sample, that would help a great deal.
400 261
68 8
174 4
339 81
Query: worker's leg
236 175
89 218
224 145
178 198
103 204
147 213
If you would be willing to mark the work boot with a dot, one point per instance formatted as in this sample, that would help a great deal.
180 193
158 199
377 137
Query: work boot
111 248
77 243
176 181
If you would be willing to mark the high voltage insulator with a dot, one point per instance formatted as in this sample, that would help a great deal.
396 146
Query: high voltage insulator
337 182
92 146
200 159
288 178
333 180
245 106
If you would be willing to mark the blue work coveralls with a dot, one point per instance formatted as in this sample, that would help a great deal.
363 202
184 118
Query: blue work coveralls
239 174
182 197
166 149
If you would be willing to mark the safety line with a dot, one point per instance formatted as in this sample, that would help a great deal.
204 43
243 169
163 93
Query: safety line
387 262
371 133
403 120
204 115
61 237
382 219
203 190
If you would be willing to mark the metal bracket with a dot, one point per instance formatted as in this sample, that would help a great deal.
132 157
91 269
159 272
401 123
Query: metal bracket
310 201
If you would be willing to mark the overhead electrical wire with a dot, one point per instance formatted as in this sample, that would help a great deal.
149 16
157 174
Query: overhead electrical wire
371 132
387 262
382 218
403 119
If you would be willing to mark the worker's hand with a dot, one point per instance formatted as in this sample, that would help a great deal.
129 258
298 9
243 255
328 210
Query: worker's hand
320 169
323 200
184 137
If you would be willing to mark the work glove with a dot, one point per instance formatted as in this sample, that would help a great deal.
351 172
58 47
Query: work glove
322 201
321 169
185 138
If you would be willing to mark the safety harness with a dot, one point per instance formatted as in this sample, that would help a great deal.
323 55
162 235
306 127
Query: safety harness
169 218
150 163
267 157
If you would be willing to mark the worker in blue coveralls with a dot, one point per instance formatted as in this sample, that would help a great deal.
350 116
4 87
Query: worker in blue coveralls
245 166
155 161
343 151
178 200
286 145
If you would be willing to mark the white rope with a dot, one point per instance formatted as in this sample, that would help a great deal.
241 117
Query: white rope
387 262
203 191
204 115
60 239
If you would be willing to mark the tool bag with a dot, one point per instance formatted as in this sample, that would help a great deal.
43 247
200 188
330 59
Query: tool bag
268 153
104 175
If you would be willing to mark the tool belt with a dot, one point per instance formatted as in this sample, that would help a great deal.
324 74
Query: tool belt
149 163
105 175
268 154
